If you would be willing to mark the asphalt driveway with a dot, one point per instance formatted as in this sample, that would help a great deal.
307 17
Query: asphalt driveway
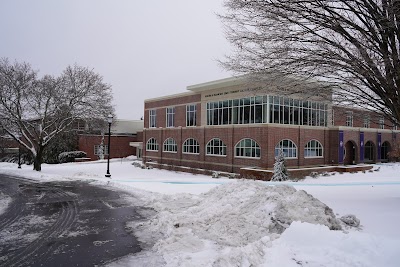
66 223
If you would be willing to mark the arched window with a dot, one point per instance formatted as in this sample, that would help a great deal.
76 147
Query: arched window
152 145
170 145
216 147
288 147
247 148
313 149
191 146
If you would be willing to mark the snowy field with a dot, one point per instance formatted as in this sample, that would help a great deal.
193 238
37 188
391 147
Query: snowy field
202 221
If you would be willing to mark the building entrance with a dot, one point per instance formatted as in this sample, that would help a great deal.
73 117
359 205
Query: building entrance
350 153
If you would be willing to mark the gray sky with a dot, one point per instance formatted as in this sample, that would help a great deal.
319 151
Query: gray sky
144 49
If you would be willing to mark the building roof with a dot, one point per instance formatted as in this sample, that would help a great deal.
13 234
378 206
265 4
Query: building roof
127 126
167 97
227 82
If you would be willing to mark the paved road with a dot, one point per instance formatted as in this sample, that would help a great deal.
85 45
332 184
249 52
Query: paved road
65 224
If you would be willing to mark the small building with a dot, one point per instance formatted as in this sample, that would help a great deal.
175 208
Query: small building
230 124
126 137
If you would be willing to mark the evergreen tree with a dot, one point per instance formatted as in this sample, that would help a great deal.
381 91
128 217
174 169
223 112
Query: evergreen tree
280 171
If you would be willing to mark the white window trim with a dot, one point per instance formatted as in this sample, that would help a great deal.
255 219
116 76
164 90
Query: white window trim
382 123
195 115
297 150
349 114
166 151
147 143
244 157
96 151
190 153
155 118
367 121
166 117
314 157
216 155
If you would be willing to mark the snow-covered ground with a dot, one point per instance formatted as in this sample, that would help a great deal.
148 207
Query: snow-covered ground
202 221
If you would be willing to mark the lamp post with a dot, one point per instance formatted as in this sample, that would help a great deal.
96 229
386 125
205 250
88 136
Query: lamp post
109 120
19 151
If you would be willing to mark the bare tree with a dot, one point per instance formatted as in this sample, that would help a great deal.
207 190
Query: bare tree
34 110
352 46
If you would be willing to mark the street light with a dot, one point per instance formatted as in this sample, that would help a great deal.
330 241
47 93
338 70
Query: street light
19 150
109 120
19 155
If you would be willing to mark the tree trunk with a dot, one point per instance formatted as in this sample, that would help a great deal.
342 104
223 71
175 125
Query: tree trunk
37 164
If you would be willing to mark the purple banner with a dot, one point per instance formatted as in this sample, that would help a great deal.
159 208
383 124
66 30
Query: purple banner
379 146
361 146
341 146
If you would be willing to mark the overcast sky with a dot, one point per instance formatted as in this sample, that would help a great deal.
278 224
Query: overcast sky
144 49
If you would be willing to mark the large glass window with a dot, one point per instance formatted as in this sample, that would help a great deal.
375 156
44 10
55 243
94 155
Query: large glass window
247 148
216 147
313 149
267 109
170 145
288 147
170 113
152 118
191 146
152 145
191 115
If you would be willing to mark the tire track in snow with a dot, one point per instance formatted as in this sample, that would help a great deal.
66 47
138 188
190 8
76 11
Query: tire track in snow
39 248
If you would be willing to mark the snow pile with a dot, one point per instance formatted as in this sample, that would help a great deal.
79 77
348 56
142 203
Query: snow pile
230 223
304 244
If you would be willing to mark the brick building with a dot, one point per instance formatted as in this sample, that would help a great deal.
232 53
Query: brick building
226 125
126 137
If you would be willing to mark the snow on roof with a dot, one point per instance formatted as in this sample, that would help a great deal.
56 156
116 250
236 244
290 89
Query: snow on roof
127 126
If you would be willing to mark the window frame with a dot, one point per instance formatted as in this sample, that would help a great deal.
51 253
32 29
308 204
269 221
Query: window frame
169 117
318 148
105 147
242 147
169 145
369 151
191 121
195 146
152 118
382 123
154 144
211 147
349 118
289 148
367 121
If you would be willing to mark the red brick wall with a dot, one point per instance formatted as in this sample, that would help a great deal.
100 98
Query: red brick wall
180 110
358 118
119 145
266 136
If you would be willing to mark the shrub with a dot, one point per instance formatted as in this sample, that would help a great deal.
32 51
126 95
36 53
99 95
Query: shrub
232 175
215 174
70 156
